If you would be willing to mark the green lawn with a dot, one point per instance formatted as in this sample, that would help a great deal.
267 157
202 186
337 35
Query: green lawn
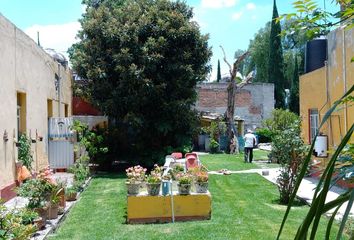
260 155
235 162
244 207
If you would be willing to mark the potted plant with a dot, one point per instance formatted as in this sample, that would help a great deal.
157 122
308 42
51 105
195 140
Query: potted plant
201 181
61 193
153 181
71 193
37 192
54 202
176 169
184 183
136 176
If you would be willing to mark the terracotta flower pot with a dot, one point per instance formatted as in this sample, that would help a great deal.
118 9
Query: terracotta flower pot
71 197
39 222
42 212
61 196
53 211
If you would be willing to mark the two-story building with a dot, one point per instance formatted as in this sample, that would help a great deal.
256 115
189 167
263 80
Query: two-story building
329 74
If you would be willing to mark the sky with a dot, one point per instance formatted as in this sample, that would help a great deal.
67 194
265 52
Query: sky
229 23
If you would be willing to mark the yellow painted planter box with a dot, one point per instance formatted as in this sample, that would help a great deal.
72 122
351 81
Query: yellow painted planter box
151 209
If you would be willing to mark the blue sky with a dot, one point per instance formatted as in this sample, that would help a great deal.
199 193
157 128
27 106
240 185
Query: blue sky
230 23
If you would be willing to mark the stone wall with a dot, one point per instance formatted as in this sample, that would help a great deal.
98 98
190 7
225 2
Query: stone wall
253 103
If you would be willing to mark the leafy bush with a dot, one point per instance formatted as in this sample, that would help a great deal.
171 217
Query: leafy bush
214 146
24 151
280 120
288 149
36 190
12 224
264 135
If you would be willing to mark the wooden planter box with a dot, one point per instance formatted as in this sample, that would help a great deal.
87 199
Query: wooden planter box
143 208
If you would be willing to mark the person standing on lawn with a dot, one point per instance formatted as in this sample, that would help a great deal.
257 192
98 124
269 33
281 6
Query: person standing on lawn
250 143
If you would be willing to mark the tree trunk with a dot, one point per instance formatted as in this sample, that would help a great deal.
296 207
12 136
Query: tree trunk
230 112
231 93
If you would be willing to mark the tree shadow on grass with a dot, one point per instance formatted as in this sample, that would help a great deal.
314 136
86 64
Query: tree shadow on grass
297 202
110 175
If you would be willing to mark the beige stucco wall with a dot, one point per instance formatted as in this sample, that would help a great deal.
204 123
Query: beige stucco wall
335 78
27 68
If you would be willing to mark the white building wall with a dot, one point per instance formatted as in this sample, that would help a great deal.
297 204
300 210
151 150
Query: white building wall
27 68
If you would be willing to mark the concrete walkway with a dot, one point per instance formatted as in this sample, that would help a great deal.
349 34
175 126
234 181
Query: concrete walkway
306 189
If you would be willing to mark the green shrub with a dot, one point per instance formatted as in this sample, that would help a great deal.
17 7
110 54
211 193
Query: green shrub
290 151
280 120
264 135
214 146
24 151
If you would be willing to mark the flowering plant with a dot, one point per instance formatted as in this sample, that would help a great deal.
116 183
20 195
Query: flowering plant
201 176
184 178
47 176
135 174
155 175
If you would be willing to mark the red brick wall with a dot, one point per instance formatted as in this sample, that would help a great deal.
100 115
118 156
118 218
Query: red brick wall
218 98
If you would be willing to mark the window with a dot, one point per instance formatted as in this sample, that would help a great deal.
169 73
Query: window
49 108
314 123
66 110
21 113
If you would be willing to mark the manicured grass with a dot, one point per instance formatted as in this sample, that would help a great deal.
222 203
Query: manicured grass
244 207
260 154
234 162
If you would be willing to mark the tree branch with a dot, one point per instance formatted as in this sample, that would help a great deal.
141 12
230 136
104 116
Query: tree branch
246 81
225 60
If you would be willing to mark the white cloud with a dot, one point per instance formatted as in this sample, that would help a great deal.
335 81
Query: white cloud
59 37
250 6
218 3
237 15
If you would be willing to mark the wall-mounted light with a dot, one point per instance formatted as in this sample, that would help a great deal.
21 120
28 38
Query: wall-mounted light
5 136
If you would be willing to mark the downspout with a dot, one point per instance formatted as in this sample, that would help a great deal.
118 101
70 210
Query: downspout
59 90
344 68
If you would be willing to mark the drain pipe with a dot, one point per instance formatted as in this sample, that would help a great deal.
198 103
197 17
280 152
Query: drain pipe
172 206
344 77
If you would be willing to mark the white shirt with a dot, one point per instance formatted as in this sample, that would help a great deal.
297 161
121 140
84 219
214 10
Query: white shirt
250 140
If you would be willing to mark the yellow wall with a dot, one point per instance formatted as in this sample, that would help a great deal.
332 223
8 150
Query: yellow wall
27 74
322 87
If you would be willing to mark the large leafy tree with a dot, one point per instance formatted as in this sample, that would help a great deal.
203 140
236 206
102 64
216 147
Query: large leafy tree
276 62
144 59
259 54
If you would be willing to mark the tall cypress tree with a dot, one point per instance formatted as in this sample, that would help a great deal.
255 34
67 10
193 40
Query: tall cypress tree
294 91
218 76
276 61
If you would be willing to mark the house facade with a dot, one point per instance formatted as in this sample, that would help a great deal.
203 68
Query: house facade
34 86
320 88
253 103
